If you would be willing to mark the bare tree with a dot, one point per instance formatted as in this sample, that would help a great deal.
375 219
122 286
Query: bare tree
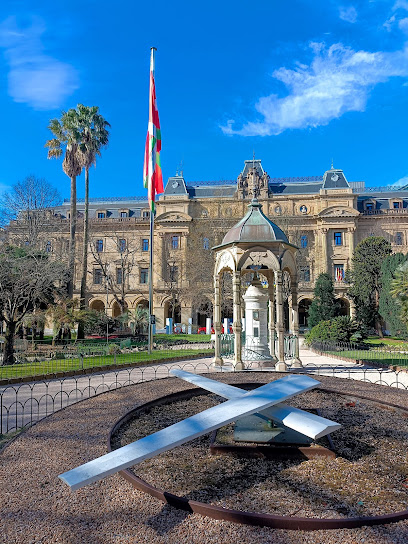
125 251
28 279
206 233
29 206
172 273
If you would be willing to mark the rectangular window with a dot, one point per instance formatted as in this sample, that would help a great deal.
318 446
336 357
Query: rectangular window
144 275
338 239
97 276
206 243
256 332
123 214
145 244
396 205
303 241
304 273
99 246
339 272
369 206
146 214
120 276
175 242
101 215
398 238
122 245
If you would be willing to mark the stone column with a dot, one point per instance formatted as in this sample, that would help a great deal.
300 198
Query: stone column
351 231
217 321
271 319
237 325
352 309
280 366
186 313
296 362
324 232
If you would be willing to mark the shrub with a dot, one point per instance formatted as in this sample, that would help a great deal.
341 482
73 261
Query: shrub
338 329
114 349
59 355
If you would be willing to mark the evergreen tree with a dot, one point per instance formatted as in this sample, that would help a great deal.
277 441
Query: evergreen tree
365 274
389 308
324 305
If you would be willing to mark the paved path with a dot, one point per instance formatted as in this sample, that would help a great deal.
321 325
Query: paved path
29 402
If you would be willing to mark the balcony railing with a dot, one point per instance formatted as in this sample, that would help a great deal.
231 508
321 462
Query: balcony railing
390 211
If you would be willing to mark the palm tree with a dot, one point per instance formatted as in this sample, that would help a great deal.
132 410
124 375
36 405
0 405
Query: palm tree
136 319
67 136
94 136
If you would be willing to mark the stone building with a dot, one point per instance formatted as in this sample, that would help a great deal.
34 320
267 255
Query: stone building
325 216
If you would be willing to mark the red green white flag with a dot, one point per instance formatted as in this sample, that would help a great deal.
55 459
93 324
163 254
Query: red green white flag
152 173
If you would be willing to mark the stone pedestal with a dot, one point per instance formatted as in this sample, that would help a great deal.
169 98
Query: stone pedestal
256 324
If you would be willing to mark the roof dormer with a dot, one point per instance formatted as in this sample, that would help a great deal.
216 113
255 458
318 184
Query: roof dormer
334 179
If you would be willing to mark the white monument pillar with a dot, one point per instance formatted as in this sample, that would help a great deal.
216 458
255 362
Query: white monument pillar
271 319
256 323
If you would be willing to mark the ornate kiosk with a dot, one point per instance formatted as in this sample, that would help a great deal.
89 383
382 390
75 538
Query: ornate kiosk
255 245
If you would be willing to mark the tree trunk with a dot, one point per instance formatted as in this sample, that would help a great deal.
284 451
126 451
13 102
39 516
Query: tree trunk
82 299
9 343
73 222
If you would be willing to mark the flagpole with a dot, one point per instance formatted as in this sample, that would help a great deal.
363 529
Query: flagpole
150 338
150 330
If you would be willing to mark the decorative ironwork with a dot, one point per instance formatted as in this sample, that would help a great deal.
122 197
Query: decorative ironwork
110 199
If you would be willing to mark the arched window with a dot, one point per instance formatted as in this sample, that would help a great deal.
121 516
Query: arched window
48 247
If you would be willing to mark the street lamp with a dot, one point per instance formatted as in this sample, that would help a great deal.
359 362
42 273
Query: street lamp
107 303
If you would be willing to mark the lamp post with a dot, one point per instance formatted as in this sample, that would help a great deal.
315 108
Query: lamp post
107 302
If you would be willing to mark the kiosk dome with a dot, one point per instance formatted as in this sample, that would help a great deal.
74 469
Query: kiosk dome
254 227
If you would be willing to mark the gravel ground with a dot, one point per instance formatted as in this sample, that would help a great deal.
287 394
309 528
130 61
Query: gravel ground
368 478
38 507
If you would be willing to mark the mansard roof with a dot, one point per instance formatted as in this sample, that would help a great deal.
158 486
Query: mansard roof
335 179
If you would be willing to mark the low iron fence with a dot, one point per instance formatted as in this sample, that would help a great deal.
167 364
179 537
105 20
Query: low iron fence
250 346
383 355
76 358
23 404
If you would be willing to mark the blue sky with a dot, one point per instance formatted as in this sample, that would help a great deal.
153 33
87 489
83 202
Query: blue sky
297 82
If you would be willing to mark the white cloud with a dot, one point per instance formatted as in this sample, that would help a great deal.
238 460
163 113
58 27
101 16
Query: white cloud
401 182
402 4
403 25
348 14
34 77
389 23
337 81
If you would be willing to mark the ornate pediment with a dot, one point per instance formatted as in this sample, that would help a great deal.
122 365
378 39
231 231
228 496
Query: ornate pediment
339 211
173 217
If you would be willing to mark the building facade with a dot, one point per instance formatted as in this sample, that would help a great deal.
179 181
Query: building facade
325 216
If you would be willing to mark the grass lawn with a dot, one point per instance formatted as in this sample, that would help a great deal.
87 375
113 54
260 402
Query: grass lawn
67 365
386 358
394 342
